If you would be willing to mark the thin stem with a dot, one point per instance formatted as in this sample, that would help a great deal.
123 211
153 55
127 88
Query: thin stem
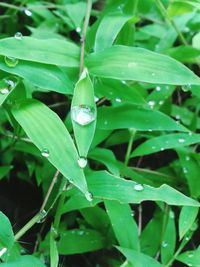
85 26
182 245
140 219
170 21
54 180
129 148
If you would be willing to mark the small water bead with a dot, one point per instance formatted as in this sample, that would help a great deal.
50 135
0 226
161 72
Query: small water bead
177 117
164 244
81 232
78 29
89 196
186 88
153 74
190 254
124 82
27 12
187 158
45 153
96 98
187 238
82 162
83 114
181 140
11 84
151 103
11 61
158 88
43 215
161 102
138 187
3 251
162 149
118 100
4 91
185 170
18 36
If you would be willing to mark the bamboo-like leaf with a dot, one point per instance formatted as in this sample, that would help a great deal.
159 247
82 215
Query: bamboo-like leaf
138 64
28 261
49 134
51 51
83 112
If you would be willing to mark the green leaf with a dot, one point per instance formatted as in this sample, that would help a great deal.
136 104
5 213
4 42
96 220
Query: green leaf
6 233
51 51
28 261
80 241
163 142
4 170
186 219
54 257
138 259
83 97
49 134
105 36
106 157
121 215
138 64
190 258
46 77
106 186
139 118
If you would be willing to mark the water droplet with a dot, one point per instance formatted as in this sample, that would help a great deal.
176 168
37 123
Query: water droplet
124 82
153 147
78 29
150 130
82 162
138 187
45 153
3 251
171 214
190 254
4 91
187 238
177 117
187 158
189 264
43 215
18 35
185 170
11 61
96 98
164 244
81 232
190 133
11 84
151 103
89 196
105 122
118 100
162 149
153 74
161 102
132 213
186 88
27 12
181 140
158 88
83 114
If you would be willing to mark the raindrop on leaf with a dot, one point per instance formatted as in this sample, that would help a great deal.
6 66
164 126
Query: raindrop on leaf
83 114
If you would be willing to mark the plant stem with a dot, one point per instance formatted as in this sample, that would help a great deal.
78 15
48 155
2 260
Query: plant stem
129 148
85 26
170 21
182 245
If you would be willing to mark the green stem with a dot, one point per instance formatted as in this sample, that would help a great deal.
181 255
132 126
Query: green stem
85 26
170 21
129 148
28 226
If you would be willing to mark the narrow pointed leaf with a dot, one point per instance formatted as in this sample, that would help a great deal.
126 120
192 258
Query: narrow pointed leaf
163 142
27 260
83 97
6 232
138 64
139 118
50 51
48 132
106 186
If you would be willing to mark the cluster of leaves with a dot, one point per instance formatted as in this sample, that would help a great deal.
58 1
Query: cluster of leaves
100 113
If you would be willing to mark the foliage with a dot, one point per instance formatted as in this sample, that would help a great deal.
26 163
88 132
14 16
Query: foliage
99 125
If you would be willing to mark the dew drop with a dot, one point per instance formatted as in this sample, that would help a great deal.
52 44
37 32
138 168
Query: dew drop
83 114
27 12
171 214
190 133
124 82
11 84
4 91
11 61
151 103
161 102
187 238
190 254
45 153
186 88
89 196
177 117
78 29
162 149
158 88
185 170
153 74
82 162
187 158
181 140
118 100
43 215
96 98
18 36
81 232
164 244
138 187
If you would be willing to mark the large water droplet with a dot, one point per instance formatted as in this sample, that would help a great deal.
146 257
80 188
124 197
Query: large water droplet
138 187
78 29
82 162
11 61
27 12
181 140
45 153
164 244
11 84
89 196
83 114
18 35
4 91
